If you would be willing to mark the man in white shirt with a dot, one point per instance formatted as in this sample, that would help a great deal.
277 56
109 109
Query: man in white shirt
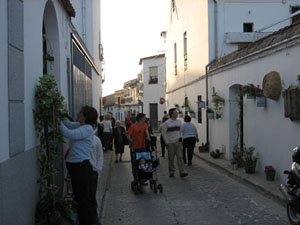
171 132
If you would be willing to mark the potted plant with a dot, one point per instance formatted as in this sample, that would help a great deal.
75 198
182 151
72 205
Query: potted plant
270 173
249 90
216 154
218 102
237 157
210 113
250 159
261 100
203 147
201 104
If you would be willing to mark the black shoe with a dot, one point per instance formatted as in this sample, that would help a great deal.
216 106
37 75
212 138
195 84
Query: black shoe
116 161
184 174
120 160
189 164
171 175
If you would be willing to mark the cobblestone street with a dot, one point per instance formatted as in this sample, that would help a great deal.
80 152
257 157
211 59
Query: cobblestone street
206 197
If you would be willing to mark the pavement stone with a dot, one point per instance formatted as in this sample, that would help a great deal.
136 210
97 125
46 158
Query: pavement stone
256 181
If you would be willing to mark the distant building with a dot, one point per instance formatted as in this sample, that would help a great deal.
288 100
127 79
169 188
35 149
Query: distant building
153 78
114 103
133 96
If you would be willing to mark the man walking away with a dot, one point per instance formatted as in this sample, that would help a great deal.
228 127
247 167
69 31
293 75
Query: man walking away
171 132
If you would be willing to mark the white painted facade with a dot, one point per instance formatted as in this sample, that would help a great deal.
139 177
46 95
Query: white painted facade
30 15
273 135
153 91
4 137
213 28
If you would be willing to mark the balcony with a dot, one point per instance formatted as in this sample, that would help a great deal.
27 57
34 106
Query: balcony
153 80
244 37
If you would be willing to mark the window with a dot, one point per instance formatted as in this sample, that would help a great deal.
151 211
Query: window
199 109
175 59
297 17
248 27
185 50
153 73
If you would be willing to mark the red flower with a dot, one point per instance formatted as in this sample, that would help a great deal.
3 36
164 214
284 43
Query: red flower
269 168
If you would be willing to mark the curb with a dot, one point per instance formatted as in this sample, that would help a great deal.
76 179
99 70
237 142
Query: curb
103 181
270 193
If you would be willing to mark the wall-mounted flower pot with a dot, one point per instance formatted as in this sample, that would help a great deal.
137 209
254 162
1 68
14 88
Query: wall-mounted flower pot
261 101
201 104
250 96
210 115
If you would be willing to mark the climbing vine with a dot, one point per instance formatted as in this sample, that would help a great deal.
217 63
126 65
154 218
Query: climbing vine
49 110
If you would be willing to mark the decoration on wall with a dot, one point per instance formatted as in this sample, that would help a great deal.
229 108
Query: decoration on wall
103 100
272 85
162 100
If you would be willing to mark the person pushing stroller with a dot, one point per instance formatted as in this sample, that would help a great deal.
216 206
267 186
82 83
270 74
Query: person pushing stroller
138 132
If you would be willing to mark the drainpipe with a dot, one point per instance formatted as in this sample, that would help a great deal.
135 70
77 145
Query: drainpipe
216 28
206 82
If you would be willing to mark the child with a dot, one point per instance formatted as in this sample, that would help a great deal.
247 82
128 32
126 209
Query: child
144 165
96 161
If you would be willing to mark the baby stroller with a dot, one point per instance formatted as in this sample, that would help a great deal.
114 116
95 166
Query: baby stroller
147 171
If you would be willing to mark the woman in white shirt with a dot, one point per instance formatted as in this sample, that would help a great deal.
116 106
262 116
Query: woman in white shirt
81 137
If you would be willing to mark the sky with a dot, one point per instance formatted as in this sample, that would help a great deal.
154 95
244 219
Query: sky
130 30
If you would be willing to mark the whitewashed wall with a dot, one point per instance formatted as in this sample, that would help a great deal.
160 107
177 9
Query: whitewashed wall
203 20
273 135
232 14
4 153
153 92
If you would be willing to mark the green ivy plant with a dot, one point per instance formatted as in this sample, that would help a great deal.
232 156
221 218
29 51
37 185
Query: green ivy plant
49 110
218 102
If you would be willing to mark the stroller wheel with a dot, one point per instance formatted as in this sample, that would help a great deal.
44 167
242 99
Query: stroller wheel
154 187
140 189
160 188
135 189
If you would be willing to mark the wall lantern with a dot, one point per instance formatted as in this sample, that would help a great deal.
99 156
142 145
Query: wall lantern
162 100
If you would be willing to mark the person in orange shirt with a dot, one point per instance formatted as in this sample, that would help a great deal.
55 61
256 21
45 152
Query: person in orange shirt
137 133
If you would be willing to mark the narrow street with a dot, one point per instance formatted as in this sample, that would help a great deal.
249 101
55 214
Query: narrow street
205 197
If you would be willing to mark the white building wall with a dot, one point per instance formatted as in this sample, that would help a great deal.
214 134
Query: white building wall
4 153
198 19
273 135
231 16
153 92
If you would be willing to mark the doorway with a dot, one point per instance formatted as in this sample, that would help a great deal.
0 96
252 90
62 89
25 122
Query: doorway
154 116
236 119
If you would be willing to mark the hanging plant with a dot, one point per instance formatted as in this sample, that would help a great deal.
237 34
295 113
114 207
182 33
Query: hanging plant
249 90
218 102
49 110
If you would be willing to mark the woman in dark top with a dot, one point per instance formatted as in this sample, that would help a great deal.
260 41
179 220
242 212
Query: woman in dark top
119 140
